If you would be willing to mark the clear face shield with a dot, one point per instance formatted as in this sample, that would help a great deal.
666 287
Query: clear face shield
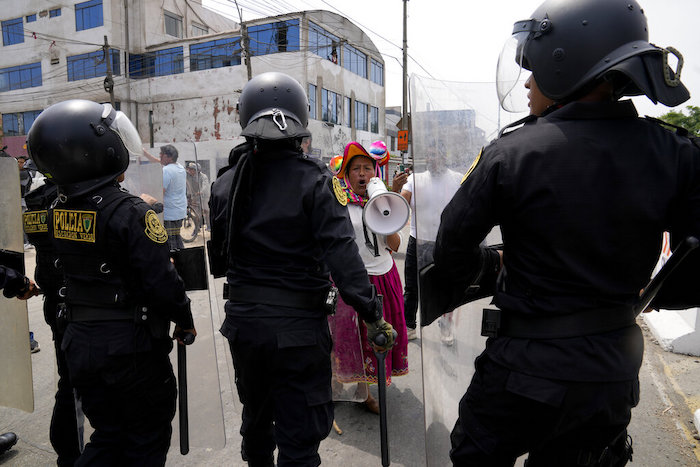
510 73
121 125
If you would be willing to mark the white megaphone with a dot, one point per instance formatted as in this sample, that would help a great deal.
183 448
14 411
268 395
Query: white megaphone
386 212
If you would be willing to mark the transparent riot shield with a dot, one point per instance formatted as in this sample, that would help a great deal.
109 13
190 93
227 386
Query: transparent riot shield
145 179
451 122
347 362
204 405
16 389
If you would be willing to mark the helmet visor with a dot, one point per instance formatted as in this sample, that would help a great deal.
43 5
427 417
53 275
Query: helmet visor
510 74
122 126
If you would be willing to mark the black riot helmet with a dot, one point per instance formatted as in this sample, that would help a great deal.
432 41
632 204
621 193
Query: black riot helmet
572 45
273 106
80 144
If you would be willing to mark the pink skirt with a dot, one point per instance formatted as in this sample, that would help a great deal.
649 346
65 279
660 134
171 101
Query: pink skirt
353 358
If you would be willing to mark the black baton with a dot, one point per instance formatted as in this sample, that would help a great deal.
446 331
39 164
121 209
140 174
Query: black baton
380 341
655 284
187 338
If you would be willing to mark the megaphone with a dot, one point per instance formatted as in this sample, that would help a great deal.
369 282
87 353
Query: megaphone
386 212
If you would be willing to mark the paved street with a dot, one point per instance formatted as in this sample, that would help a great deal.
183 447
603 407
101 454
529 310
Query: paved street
662 425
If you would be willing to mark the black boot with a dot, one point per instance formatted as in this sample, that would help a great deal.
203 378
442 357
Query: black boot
7 440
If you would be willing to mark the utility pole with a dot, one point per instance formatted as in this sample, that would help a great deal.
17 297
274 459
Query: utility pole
245 42
404 116
108 82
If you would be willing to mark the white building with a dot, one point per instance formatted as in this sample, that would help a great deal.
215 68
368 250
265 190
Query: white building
178 68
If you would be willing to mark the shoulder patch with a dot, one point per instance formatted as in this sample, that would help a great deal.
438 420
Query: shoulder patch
340 194
36 221
78 226
473 166
154 229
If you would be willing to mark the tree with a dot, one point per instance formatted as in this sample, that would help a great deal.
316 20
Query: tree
691 122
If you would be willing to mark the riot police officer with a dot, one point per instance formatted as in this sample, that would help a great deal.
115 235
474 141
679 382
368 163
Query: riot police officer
120 289
64 433
582 191
279 224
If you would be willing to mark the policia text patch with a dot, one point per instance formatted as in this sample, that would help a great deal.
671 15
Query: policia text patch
74 225
35 222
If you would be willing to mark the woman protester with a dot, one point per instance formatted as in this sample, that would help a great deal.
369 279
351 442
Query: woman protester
354 360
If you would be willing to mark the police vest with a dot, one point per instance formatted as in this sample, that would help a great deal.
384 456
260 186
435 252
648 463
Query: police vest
79 230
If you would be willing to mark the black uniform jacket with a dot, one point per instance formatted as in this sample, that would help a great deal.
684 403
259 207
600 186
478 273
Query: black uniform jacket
582 196
294 230
111 230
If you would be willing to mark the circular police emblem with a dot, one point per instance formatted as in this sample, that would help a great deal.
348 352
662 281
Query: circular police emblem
340 194
154 229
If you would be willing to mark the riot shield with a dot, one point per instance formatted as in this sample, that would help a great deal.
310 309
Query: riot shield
205 408
145 179
451 122
16 389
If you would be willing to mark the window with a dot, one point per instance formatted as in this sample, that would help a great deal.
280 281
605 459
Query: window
12 31
173 24
31 18
10 125
20 77
323 43
312 101
360 116
354 60
376 72
348 110
215 54
92 65
55 12
271 38
158 63
88 15
199 30
17 124
374 119
330 106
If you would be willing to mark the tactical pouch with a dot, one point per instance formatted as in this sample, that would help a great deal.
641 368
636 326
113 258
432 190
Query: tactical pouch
490 322
158 327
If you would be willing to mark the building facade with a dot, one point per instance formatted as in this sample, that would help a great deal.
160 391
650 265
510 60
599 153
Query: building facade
177 69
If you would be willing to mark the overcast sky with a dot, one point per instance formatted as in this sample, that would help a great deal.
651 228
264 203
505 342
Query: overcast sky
461 40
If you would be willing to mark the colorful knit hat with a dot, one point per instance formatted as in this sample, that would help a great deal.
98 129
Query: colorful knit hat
335 164
353 149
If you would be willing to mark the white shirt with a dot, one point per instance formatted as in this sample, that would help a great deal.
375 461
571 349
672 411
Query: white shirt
376 266
429 196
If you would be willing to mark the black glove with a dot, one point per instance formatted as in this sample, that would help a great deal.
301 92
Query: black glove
379 331
16 287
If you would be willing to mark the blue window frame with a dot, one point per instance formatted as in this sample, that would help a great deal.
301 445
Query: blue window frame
215 54
348 109
373 119
91 65
31 18
323 43
271 38
360 116
330 106
354 60
88 15
20 77
376 72
12 31
10 125
55 12
159 63
28 119
312 101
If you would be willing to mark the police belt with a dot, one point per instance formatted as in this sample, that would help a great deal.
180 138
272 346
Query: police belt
86 313
274 296
497 323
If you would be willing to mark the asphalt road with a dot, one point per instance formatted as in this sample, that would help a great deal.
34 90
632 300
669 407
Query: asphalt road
662 425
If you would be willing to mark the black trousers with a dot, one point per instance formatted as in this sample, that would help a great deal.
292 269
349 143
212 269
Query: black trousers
505 414
283 376
127 388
